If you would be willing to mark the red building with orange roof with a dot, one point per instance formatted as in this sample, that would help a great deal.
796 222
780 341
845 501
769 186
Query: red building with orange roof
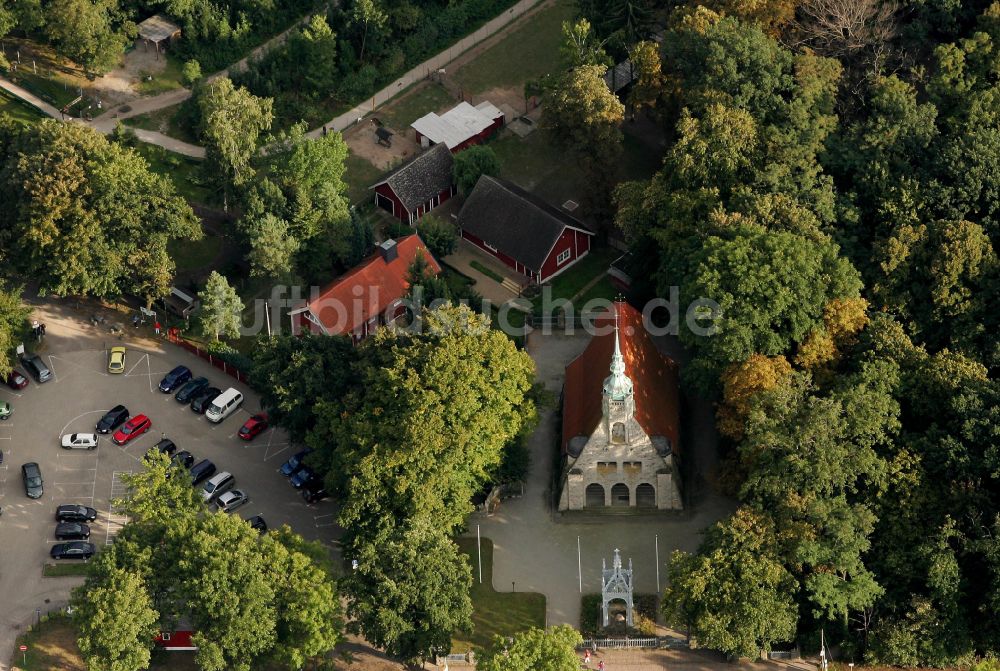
621 421
366 297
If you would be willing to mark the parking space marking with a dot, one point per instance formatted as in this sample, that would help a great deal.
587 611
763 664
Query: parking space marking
326 521
52 367
136 364
268 453
64 429
116 520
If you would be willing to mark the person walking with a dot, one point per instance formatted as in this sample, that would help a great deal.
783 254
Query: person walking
600 667
586 656
156 328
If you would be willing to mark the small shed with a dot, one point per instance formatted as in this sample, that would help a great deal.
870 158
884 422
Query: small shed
157 29
460 127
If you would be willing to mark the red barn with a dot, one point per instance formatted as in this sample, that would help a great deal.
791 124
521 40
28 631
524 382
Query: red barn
526 233
417 187
175 641
460 127
367 296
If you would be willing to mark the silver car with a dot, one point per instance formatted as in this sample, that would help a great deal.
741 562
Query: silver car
232 500
219 483
79 441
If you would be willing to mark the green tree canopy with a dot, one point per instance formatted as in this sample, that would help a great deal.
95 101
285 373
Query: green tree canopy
220 308
471 164
552 649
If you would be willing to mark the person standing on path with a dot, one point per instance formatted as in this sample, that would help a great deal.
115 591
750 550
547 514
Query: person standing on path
156 328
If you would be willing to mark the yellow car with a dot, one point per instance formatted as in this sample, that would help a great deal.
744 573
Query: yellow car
116 360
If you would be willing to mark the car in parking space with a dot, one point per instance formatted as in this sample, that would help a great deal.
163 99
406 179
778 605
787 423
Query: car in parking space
253 426
292 466
37 368
204 398
72 531
116 360
302 477
257 522
314 491
74 550
112 419
190 389
231 500
32 476
216 485
79 441
16 380
202 471
6 410
132 429
164 445
74 512
183 458
174 379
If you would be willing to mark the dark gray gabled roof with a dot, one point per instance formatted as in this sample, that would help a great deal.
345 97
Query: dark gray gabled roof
424 177
515 222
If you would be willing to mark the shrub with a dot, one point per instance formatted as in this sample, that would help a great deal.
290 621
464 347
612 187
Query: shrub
439 235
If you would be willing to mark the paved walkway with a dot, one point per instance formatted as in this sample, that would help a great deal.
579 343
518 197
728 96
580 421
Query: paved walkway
487 287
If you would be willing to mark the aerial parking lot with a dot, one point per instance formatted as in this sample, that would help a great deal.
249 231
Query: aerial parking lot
79 393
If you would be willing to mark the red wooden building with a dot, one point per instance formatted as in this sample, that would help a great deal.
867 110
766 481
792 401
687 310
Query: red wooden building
367 296
175 641
417 187
526 233
460 127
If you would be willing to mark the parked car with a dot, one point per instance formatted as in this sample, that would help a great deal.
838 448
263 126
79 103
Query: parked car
253 426
131 429
190 389
6 410
292 466
231 500
74 512
166 446
112 419
79 441
224 405
174 379
16 380
32 476
183 458
217 484
116 360
202 471
257 522
37 368
72 531
74 550
302 477
204 398
314 491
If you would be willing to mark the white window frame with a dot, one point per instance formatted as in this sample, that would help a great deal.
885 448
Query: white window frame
564 256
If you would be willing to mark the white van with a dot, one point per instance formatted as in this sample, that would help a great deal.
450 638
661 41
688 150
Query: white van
224 405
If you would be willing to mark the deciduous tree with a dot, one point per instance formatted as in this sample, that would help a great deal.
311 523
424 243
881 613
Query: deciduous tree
552 649
472 163
115 618
220 308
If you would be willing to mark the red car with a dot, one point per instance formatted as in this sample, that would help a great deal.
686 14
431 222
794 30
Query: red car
253 426
15 380
136 426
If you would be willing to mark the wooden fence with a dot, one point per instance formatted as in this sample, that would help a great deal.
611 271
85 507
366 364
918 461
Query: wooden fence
215 360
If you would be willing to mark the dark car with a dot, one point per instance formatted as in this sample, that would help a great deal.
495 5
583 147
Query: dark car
183 458
303 477
112 419
37 368
257 522
202 471
292 466
72 512
314 491
32 476
204 399
253 426
75 550
174 379
15 380
190 389
72 531
166 446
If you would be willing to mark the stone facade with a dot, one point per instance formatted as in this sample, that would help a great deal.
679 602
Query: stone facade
619 464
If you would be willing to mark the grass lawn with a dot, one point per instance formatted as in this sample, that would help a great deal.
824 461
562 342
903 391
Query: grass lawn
639 160
525 53
503 613
190 256
535 164
18 110
486 271
185 172
595 264
167 79
403 111
167 120
359 174
42 72
65 569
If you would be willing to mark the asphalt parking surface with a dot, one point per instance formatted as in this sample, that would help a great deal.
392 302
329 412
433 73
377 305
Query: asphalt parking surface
73 401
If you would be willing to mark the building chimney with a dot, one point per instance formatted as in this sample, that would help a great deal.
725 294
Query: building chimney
388 251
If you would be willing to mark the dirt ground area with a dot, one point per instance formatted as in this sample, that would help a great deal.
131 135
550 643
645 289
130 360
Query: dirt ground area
118 86
361 139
